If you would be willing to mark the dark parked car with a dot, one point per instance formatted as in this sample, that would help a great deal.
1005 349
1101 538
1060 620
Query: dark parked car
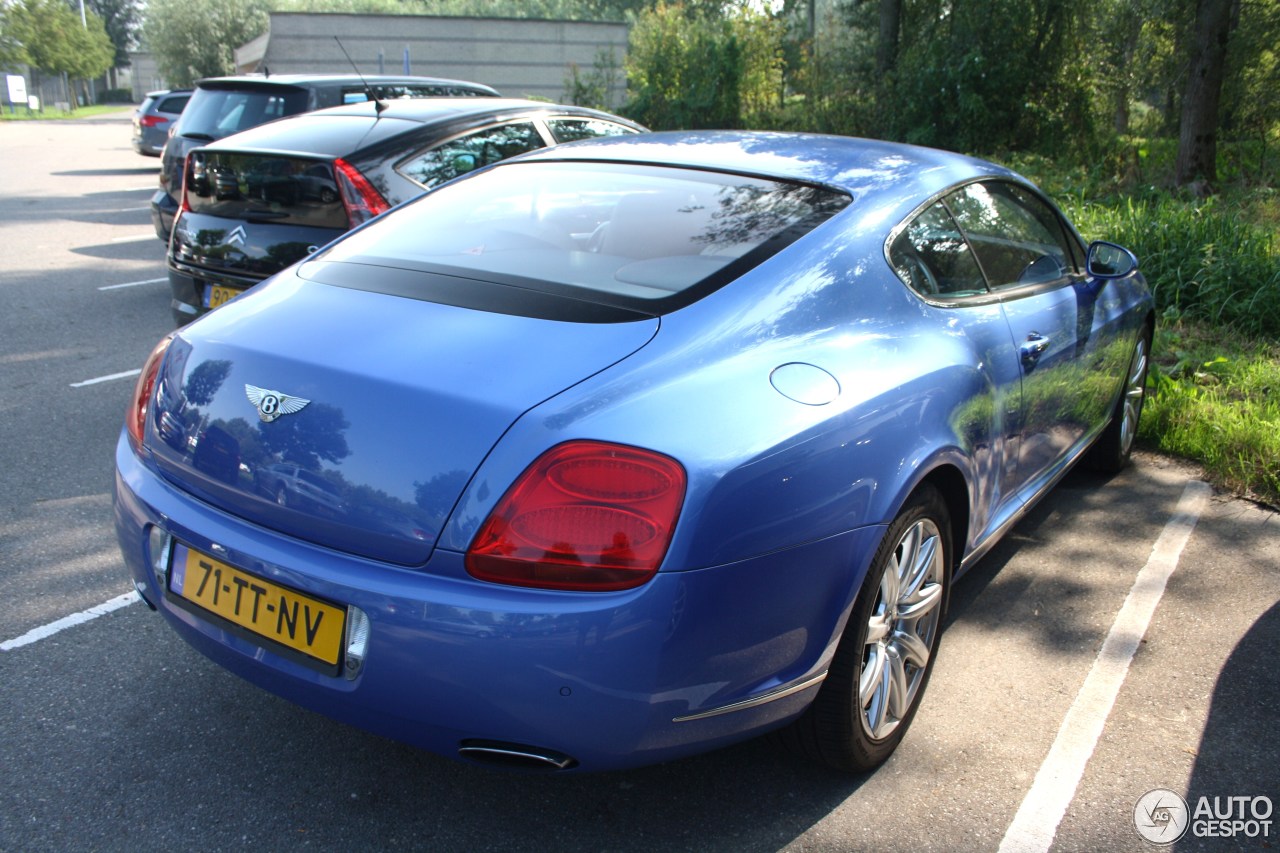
261 200
693 432
221 106
153 118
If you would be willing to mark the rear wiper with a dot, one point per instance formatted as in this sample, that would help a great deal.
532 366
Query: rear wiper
196 135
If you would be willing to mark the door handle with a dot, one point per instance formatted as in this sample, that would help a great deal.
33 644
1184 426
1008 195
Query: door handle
1032 348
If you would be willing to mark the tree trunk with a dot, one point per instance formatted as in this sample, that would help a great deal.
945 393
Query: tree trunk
1198 132
890 27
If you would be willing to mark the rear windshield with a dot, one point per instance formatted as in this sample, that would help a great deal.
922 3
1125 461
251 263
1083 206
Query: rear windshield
215 113
265 188
641 237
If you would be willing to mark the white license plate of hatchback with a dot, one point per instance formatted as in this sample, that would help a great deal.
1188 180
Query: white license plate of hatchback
265 609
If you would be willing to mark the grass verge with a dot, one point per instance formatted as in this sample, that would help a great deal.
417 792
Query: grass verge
1215 399
50 114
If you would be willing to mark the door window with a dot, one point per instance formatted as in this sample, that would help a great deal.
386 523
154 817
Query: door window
464 154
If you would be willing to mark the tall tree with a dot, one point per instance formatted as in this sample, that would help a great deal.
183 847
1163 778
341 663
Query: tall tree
55 40
1198 131
197 38
122 18
890 27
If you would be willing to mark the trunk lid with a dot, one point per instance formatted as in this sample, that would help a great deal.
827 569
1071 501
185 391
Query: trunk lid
357 422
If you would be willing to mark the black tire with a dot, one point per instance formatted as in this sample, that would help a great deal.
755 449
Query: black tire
839 728
1111 452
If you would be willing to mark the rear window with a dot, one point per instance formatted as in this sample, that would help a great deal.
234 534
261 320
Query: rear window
215 113
645 238
265 188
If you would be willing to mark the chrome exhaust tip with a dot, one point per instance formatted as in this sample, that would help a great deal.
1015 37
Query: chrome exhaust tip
515 756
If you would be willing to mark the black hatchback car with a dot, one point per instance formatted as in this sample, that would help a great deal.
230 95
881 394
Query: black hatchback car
261 200
221 106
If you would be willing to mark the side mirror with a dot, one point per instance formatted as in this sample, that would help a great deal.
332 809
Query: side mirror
1107 260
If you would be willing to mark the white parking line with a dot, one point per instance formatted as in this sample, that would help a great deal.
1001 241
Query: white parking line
1036 823
148 189
127 374
137 239
133 283
132 209
65 622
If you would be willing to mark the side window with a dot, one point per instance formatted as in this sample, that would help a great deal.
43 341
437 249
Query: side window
932 257
173 105
1017 238
573 129
467 153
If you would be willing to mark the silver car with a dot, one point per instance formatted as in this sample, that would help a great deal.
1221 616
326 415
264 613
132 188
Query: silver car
153 118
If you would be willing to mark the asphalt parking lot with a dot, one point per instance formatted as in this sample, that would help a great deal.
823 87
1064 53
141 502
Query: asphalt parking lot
1121 640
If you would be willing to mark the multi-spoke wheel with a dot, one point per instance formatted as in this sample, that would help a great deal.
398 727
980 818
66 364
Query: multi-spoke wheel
1111 452
882 664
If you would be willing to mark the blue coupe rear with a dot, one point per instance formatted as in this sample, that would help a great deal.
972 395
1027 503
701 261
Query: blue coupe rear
630 449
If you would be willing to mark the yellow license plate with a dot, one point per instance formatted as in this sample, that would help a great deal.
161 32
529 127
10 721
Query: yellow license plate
221 295
261 607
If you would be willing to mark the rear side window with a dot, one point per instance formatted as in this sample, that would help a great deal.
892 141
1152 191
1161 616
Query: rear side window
573 129
174 104
933 258
467 153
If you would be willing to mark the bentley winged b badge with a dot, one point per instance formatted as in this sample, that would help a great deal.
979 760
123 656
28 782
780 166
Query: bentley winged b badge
273 404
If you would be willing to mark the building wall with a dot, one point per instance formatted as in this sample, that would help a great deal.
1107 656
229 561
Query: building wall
518 57
145 76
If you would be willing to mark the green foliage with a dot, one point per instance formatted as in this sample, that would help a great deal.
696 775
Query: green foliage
594 88
689 69
122 19
197 38
55 40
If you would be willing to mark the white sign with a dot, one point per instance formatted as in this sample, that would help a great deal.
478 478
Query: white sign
17 88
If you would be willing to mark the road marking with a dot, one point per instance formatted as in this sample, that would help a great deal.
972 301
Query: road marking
141 189
1036 823
45 631
137 239
132 209
132 283
114 376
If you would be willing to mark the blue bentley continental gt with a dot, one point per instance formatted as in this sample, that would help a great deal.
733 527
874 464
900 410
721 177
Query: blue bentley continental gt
632 448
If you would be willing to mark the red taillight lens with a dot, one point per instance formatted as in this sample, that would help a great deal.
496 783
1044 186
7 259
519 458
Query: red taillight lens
361 200
585 516
182 182
135 419
151 120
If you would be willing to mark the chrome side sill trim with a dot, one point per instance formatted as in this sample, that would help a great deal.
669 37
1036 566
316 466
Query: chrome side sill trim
762 699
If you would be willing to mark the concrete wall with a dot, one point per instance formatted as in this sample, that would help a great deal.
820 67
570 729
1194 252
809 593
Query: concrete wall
518 57
146 77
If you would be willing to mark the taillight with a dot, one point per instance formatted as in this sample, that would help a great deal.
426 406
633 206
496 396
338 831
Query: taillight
152 120
359 197
135 419
585 516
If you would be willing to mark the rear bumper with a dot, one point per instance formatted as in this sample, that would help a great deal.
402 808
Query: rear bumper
189 286
689 662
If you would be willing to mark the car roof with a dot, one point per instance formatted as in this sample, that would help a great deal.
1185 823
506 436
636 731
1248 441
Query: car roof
852 165
344 129
315 81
